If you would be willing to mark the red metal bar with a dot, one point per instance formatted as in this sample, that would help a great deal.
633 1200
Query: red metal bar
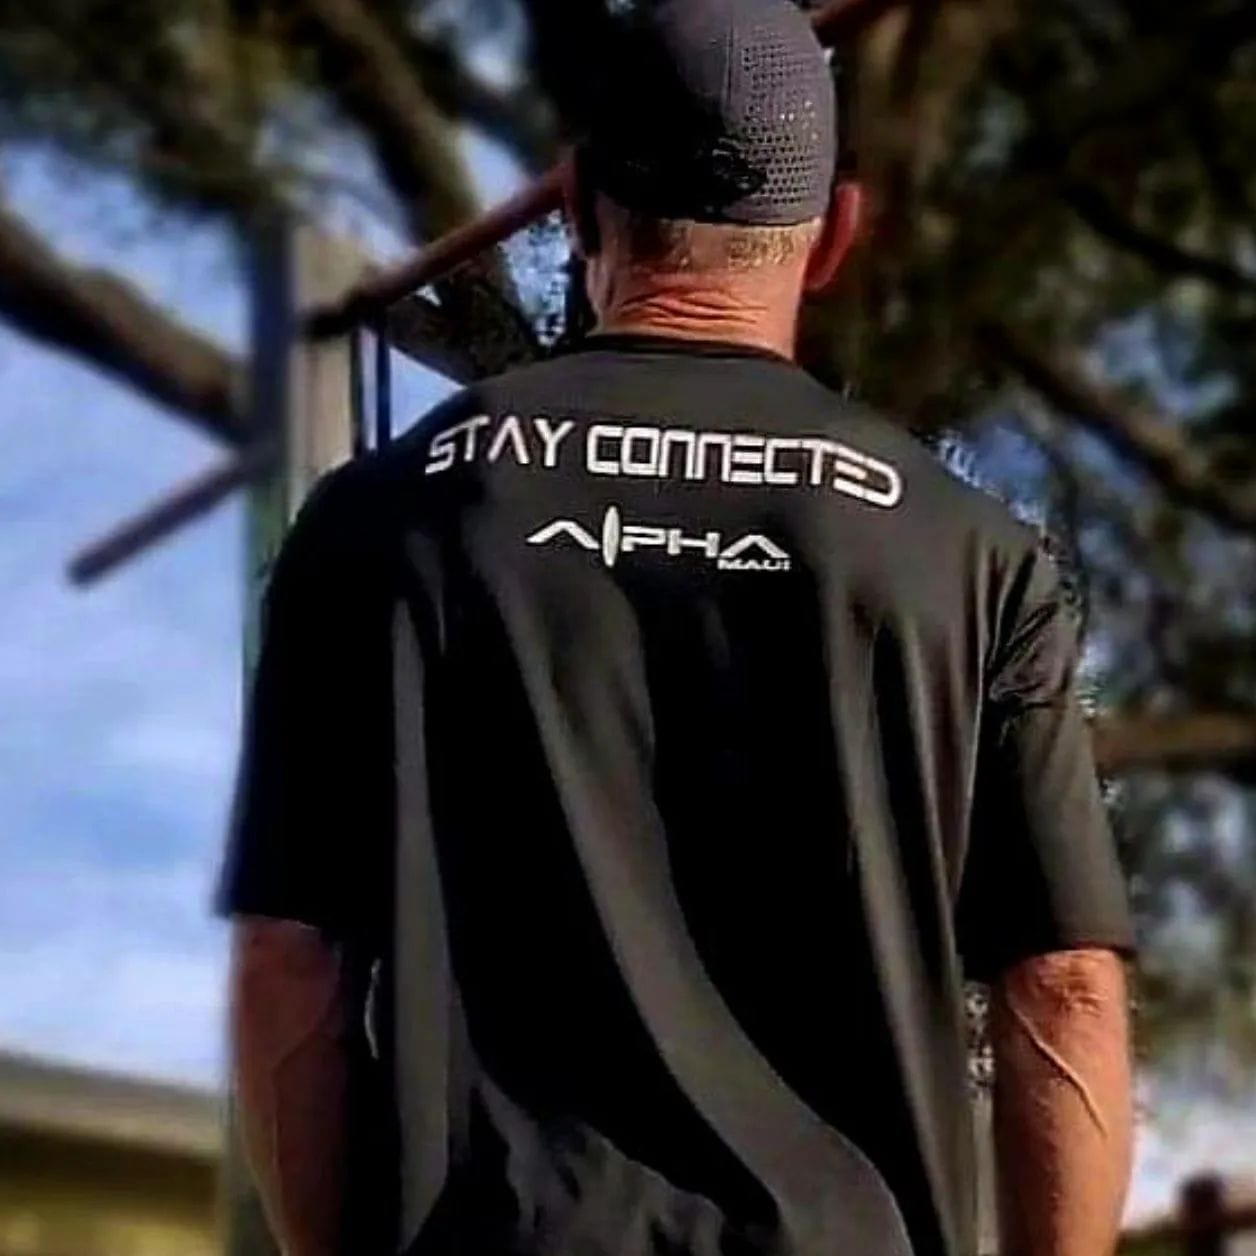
364 302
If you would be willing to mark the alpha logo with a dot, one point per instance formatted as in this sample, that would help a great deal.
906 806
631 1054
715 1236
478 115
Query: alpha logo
751 552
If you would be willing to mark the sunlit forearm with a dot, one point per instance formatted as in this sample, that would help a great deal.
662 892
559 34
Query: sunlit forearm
1063 1105
290 1077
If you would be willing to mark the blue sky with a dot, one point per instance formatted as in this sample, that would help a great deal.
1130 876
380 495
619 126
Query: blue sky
120 705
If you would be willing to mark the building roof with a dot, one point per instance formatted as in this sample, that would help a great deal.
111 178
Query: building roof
42 1097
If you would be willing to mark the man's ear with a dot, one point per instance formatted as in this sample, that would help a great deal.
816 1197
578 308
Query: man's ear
837 235
580 207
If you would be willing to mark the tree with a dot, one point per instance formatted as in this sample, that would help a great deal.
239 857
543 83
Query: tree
1062 250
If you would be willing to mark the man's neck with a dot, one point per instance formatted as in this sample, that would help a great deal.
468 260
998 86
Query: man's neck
713 317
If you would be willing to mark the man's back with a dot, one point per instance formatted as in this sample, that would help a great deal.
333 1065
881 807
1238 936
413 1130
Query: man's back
698 674
675 735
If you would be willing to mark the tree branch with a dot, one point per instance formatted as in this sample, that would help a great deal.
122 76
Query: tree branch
1192 741
518 118
1224 176
110 324
417 147
1154 442
113 326
1150 72
187 141
1126 520
566 39
420 329
565 54
1094 209
416 144
841 20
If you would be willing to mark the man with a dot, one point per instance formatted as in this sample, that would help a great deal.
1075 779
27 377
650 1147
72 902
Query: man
669 738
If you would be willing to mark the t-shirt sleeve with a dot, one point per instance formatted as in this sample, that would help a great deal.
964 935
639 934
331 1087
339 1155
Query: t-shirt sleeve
1042 872
310 836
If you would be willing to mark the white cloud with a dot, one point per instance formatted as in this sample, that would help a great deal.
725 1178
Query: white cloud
118 715
114 967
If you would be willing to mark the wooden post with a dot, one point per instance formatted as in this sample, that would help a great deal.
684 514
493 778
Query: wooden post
303 394
1203 1211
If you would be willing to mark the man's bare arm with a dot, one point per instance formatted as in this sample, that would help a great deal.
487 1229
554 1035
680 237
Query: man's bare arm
288 1020
1063 1110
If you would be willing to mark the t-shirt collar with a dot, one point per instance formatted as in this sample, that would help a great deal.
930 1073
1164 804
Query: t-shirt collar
677 346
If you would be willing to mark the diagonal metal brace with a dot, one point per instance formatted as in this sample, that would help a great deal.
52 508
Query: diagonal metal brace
189 502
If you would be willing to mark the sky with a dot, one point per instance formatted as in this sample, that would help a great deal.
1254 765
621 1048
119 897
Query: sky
120 704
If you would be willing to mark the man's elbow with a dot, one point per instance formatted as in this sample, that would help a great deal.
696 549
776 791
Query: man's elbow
1078 988
1060 1021
289 1075
285 988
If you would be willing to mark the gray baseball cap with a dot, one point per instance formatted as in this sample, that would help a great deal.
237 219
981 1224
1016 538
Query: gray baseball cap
715 110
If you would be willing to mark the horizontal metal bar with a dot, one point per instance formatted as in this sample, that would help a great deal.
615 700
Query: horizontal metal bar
366 302
185 503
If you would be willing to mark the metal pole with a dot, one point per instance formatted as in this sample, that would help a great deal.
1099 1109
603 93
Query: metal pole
1203 1213
302 399
357 393
246 1232
383 386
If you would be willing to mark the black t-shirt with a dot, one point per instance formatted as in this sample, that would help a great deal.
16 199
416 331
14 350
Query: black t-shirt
679 736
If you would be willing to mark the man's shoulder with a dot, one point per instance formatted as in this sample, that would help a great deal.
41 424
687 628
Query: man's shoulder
514 386
546 381
973 509
952 503
347 512
341 496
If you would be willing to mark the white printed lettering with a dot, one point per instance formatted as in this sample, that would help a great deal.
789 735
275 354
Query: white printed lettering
510 432
645 459
599 433
708 544
855 466
563 527
646 451
642 536
708 440
472 428
676 438
817 449
771 473
444 447
752 552
551 437
440 454
746 459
